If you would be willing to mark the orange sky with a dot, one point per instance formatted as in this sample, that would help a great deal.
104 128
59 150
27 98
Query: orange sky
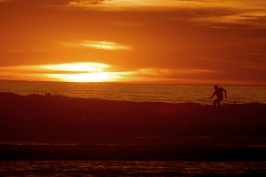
164 41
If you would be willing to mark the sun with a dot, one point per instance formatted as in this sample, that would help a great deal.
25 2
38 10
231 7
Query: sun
93 77
81 72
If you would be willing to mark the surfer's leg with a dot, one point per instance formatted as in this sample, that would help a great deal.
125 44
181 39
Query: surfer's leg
216 102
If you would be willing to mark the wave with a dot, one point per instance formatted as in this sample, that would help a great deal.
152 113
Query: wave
48 125
37 112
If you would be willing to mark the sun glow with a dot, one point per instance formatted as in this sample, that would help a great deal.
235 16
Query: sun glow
66 72
81 67
86 77
82 72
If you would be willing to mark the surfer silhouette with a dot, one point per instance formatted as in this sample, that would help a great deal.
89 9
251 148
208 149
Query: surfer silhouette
219 94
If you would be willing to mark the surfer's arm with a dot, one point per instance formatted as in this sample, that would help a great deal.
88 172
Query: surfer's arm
213 95
225 95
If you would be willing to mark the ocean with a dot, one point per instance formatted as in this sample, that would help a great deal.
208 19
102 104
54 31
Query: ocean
31 145
168 93
132 168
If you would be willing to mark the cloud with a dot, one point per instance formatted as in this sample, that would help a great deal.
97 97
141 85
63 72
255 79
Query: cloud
80 67
247 4
76 72
84 2
165 74
77 67
233 14
214 13
102 45
237 19
129 4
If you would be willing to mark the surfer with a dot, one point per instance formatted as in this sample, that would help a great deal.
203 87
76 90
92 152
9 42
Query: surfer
219 94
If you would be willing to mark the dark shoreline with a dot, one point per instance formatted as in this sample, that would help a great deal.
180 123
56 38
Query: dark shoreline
53 127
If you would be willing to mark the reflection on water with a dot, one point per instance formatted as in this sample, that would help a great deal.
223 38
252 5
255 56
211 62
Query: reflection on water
131 168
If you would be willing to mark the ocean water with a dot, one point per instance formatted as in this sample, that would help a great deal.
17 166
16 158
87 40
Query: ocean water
131 168
169 93
112 168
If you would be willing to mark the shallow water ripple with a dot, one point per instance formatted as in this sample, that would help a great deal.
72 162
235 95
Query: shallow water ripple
131 168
